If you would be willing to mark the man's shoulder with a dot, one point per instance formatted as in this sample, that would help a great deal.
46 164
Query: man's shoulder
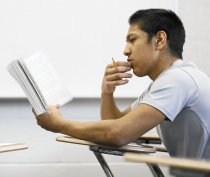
176 77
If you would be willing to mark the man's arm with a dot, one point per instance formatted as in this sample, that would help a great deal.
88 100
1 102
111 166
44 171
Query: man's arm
115 132
109 109
114 76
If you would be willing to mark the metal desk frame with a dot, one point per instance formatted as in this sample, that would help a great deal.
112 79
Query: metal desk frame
98 151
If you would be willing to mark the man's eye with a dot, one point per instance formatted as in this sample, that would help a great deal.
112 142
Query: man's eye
132 39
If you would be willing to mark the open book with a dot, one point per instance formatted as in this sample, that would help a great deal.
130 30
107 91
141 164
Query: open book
39 81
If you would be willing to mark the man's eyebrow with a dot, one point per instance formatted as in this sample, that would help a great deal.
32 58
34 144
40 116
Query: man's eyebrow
129 35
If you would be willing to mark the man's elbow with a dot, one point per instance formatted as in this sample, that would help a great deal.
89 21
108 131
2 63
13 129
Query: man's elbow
115 138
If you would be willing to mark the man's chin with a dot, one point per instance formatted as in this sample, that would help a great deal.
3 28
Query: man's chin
138 74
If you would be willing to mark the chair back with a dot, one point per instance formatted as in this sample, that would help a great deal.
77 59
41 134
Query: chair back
185 136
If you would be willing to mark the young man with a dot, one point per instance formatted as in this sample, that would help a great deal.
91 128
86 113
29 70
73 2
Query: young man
177 101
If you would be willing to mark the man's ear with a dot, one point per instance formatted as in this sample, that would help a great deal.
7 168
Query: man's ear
161 38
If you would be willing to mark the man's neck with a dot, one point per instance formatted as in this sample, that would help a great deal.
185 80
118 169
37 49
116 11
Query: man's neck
163 64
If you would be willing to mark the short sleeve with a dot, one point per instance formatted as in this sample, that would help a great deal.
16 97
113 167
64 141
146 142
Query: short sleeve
171 92
136 102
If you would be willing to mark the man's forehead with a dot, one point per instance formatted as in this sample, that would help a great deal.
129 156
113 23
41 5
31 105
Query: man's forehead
133 27
134 30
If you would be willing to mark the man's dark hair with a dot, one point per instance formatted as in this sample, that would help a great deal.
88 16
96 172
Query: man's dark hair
154 20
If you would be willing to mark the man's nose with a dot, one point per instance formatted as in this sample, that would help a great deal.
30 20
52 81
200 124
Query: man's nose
127 50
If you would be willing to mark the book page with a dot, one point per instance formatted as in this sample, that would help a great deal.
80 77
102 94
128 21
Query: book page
20 76
45 79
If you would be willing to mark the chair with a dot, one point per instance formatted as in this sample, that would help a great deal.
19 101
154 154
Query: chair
190 135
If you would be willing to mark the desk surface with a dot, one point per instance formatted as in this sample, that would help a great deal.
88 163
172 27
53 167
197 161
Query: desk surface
125 148
190 164
5 147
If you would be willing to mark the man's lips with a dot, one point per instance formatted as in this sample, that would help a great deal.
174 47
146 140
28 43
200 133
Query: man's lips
129 60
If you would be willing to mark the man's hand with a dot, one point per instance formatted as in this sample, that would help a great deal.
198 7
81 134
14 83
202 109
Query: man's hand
115 76
50 120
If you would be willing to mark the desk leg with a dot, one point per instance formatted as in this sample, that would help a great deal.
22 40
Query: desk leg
155 169
103 164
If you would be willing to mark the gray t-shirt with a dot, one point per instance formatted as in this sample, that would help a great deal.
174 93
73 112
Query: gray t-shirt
182 94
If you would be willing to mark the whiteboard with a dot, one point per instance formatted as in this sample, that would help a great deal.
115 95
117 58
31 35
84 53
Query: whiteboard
80 37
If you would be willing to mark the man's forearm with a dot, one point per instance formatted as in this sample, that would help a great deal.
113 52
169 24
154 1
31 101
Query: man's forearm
101 132
109 109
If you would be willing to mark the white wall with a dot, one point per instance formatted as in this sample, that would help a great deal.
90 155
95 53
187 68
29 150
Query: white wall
79 37
195 15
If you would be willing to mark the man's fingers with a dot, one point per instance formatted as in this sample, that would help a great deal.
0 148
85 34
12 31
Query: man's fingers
118 76
119 63
58 106
123 63
118 82
119 69
33 110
